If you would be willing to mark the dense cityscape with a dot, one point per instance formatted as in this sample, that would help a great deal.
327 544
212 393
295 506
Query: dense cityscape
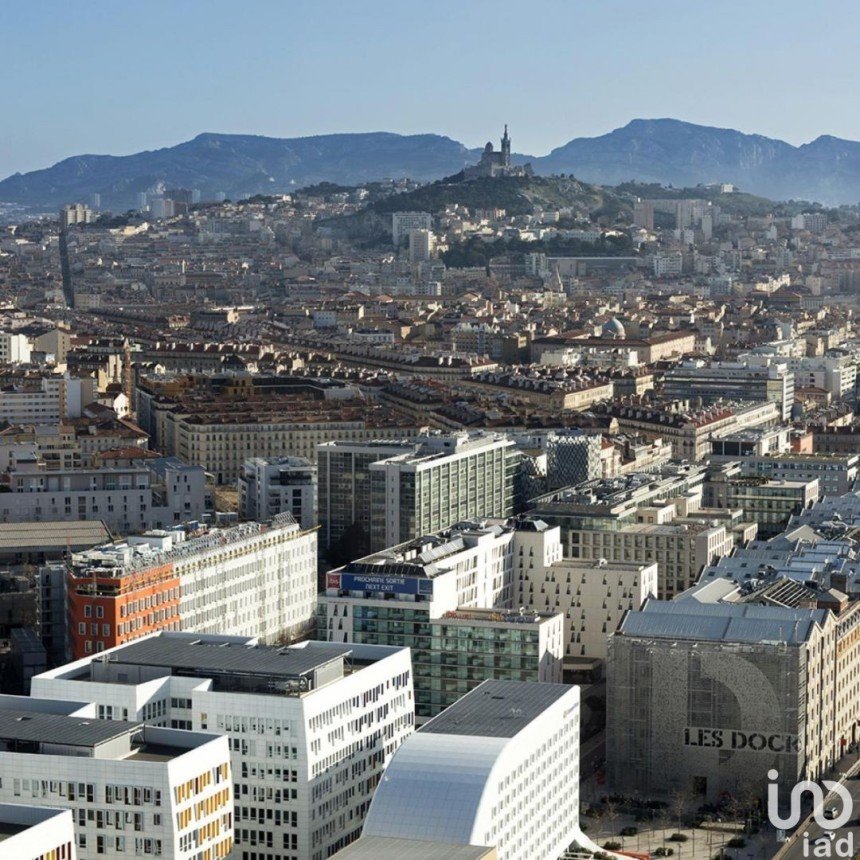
372 497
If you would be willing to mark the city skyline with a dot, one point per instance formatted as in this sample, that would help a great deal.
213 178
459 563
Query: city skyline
305 70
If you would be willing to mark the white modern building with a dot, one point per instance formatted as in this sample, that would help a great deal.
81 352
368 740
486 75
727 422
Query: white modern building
36 832
311 727
134 790
14 348
499 768
271 486
254 579
48 400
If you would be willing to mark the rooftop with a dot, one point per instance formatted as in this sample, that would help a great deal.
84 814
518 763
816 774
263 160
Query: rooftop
35 727
394 848
496 709
255 668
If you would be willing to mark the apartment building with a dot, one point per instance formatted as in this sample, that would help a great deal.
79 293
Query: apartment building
593 596
690 431
499 768
254 579
45 399
133 790
310 727
268 487
158 494
442 590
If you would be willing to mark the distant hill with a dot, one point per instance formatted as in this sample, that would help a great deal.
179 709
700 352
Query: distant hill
669 151
665 151
240 166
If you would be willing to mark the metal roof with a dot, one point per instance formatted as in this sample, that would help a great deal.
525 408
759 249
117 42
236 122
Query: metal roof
59 535
722 622
496 709
207 658
55 729
393 848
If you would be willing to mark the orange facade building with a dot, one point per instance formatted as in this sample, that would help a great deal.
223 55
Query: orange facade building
105 611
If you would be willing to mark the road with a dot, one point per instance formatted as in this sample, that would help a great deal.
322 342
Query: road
796 852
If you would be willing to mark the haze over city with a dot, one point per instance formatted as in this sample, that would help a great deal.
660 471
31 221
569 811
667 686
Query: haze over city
148 75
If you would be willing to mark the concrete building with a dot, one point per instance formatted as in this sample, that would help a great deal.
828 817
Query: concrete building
135 790
422 244
311 727
705 698
47 400
769 502
392 848
36 832
499 768
14 348
254 579
269 487
75 213
722 380
436 593
593 596
159 494
421 490
404 222
835 473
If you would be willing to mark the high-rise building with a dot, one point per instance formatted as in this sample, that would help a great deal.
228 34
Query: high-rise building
422 243
311 726
75 213
270 486
498 768
135 790
403 222
389 493
254 579
450 598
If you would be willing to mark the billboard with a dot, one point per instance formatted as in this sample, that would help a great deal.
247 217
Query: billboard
370 582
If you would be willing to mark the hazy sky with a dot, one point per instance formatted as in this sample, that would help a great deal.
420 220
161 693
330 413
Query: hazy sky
118 77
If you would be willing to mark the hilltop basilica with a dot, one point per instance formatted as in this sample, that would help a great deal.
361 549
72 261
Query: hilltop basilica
494 163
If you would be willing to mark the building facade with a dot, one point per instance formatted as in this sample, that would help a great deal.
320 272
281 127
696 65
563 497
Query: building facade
310 727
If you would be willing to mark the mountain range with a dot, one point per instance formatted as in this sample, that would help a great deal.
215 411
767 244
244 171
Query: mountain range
666 151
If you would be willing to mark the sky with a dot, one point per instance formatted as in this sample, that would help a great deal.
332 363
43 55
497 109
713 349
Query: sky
98 76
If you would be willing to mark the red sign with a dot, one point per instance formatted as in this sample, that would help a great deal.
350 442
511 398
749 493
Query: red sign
332 580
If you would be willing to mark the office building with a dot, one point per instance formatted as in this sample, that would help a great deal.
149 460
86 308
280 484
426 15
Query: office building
722 380
835 473
388 848
311 727
133 790
254 579
498 768
268 487
769 502
427 488
36 832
